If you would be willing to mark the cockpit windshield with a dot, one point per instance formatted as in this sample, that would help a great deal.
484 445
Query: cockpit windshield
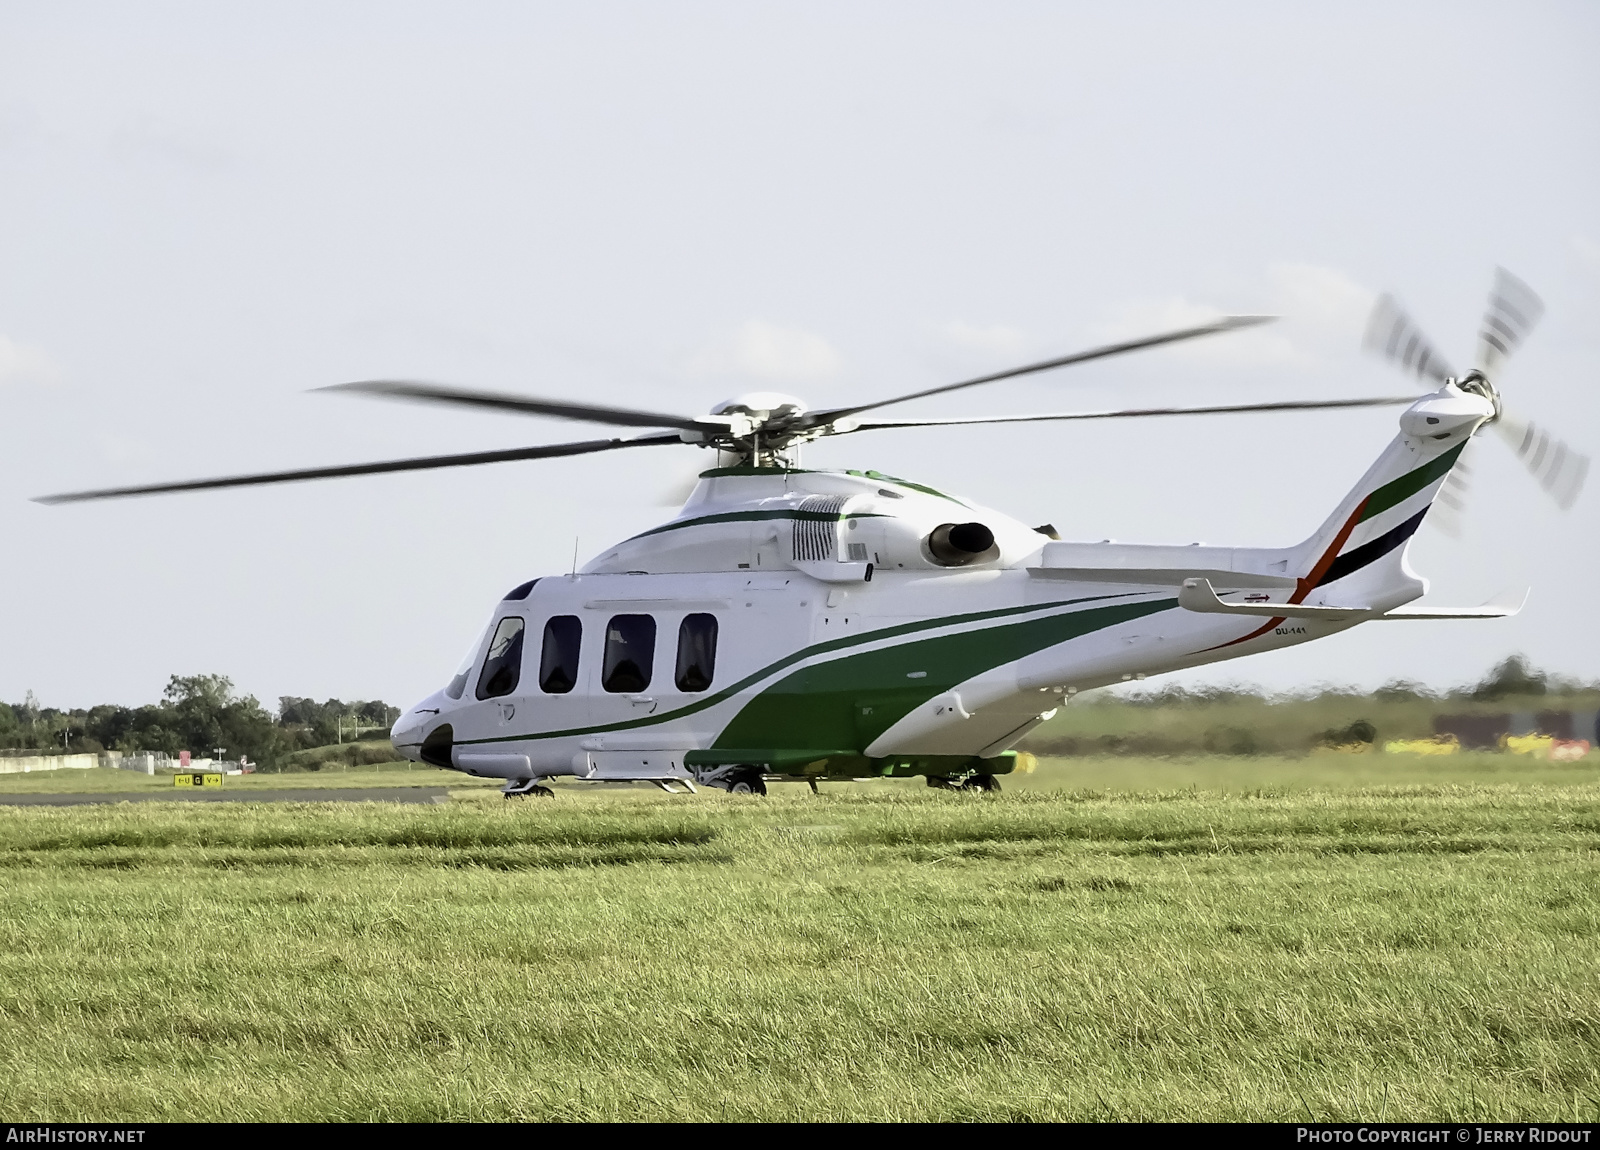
458 682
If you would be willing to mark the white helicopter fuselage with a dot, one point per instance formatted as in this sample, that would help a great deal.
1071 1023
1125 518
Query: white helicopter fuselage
808 624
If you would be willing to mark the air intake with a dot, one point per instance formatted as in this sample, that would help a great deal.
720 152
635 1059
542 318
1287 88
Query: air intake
816 528
437 746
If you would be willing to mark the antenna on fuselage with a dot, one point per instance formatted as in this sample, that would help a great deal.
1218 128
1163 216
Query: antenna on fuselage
574 574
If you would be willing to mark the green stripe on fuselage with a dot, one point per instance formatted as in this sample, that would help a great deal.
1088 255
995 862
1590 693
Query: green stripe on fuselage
1399 490
790 660
752 516
849 702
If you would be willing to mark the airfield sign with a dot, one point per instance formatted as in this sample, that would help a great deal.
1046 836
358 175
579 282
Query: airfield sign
197 779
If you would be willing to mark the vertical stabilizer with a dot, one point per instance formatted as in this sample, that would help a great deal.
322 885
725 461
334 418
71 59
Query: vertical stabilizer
1358 555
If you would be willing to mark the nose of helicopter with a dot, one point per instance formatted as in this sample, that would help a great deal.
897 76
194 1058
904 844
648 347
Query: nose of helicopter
407 733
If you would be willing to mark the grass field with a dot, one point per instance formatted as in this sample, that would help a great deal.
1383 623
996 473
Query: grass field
1334 937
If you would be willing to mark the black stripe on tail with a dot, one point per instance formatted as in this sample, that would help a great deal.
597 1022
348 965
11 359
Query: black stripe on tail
1352 561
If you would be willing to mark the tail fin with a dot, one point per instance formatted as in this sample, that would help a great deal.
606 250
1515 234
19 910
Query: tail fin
1359 554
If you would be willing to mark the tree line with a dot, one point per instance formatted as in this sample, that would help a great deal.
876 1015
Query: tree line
1511 678
1242 720
199 714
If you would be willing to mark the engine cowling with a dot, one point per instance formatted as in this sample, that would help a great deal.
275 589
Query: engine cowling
961 544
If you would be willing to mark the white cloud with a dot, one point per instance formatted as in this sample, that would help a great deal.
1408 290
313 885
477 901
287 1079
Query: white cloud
1587 251
1321 314
19 125
1147 316
764 351
1255 347
150 139
994 338
21 363
1320 304
118 448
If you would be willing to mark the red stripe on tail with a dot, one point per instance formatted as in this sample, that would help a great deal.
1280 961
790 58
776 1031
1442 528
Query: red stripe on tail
1304 585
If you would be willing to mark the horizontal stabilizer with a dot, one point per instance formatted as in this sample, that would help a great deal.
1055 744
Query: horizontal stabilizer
1199 595
1500 607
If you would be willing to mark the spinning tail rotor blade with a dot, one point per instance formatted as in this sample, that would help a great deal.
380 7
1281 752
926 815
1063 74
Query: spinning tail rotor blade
1393 334
1227 323
1513 311
1559 469
1138 413
1450 504
547 451
521 404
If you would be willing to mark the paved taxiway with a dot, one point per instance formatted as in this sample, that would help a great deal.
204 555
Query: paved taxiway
317 795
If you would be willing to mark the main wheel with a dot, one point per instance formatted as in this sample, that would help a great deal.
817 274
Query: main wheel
751 784
982 783
542 792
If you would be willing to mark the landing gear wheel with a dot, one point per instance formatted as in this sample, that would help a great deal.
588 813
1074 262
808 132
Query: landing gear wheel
982 783
522 788
940 783
751 784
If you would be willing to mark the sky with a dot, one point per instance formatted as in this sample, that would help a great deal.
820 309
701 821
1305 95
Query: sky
207 210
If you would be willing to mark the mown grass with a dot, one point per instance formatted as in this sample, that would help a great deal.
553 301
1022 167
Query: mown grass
1110 773
890 952
1285 774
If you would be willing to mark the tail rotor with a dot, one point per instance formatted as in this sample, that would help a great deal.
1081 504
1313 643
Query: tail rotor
1394 335
1513 312
1559 469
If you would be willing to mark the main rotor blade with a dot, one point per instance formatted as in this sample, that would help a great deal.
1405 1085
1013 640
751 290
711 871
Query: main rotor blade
1559 469
1140 412
1393 334
548 451
1227 323
521 404
1514 309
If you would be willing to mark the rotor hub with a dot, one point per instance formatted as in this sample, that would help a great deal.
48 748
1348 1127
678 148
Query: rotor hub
763 405
761 425
1476 383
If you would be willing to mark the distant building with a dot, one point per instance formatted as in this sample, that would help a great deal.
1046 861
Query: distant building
1489 732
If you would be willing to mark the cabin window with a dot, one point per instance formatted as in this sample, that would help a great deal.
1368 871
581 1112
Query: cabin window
697 652
558 659
630 650
503 667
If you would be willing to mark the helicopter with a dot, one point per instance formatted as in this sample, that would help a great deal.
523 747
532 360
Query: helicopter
796 624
